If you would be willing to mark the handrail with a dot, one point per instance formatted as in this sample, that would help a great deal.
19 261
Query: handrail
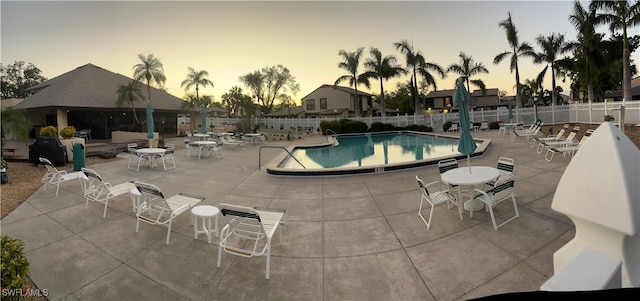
326 133
273 146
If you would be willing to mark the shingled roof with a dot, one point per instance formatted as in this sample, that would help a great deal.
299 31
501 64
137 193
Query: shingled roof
92 87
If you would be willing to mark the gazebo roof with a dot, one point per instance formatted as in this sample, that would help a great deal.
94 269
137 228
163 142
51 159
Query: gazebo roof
92 87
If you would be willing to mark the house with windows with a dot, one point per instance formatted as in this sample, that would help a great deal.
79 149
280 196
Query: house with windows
337 101
442 100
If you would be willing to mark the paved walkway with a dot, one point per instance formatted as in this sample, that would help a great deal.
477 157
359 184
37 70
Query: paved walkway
348 238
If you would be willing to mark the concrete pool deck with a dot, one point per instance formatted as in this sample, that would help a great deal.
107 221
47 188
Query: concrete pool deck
347 238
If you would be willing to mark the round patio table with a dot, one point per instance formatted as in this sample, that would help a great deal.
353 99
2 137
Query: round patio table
152 152
470 176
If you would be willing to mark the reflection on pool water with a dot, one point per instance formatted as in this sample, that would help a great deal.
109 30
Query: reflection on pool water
373 149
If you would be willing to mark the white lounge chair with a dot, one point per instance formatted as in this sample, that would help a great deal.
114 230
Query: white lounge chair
101 192
526 134
570 149
55 177
560 142
557 137
156 210
249 231
232 143
453 128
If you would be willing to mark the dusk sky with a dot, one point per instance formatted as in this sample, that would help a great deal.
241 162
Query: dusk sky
230 39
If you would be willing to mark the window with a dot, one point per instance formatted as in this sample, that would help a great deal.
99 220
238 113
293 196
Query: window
323 103
311 104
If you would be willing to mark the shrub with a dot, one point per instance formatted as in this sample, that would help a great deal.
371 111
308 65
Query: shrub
331 125
381 127
68 132
15 266
494 125
354 126
446 125
49 131
608 118
419 128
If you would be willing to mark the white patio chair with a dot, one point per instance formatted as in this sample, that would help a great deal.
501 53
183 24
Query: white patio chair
505 166
55 177
217 148
249 231
484 126
444 166
135 157
156 210
453 128
502 190
434 198
101 192
168 155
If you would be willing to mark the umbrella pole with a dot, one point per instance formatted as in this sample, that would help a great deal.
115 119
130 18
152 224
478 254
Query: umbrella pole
469 163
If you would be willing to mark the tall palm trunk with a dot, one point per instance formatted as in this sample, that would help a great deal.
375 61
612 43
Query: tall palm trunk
357 100
554 99
626 75
589 83
518 88
383 106
414 84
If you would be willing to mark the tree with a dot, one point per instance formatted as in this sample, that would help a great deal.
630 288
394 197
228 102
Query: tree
350 63
517 50
278 82
620 15
269 84
130 93
16 78
196 78
13 123
417 64
150 69
382 68
467 68
254 82
552 47
585 21
235 101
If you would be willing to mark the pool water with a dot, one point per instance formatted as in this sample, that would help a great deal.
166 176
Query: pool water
373 149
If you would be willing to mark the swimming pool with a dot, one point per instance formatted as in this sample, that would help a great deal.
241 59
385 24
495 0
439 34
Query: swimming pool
370 153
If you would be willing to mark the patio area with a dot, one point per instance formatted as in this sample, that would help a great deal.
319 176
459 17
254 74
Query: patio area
347 238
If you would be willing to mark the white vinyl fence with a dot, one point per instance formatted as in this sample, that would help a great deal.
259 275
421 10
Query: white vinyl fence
574 113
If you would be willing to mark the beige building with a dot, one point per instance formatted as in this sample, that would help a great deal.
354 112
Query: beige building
337 101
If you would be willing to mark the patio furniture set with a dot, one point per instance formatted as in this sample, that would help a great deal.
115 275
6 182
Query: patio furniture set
248 231
481 187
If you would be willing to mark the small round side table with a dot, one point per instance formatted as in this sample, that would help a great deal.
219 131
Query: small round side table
205 213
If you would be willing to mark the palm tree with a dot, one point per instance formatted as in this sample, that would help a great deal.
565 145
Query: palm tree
130 93
351 61
150 69
14 123
552 47
418 66
382 68
196 78
620 15
585 21
467 68
517 50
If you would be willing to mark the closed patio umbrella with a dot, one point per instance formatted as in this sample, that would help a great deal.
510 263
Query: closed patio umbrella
203 120
467 145
150 123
